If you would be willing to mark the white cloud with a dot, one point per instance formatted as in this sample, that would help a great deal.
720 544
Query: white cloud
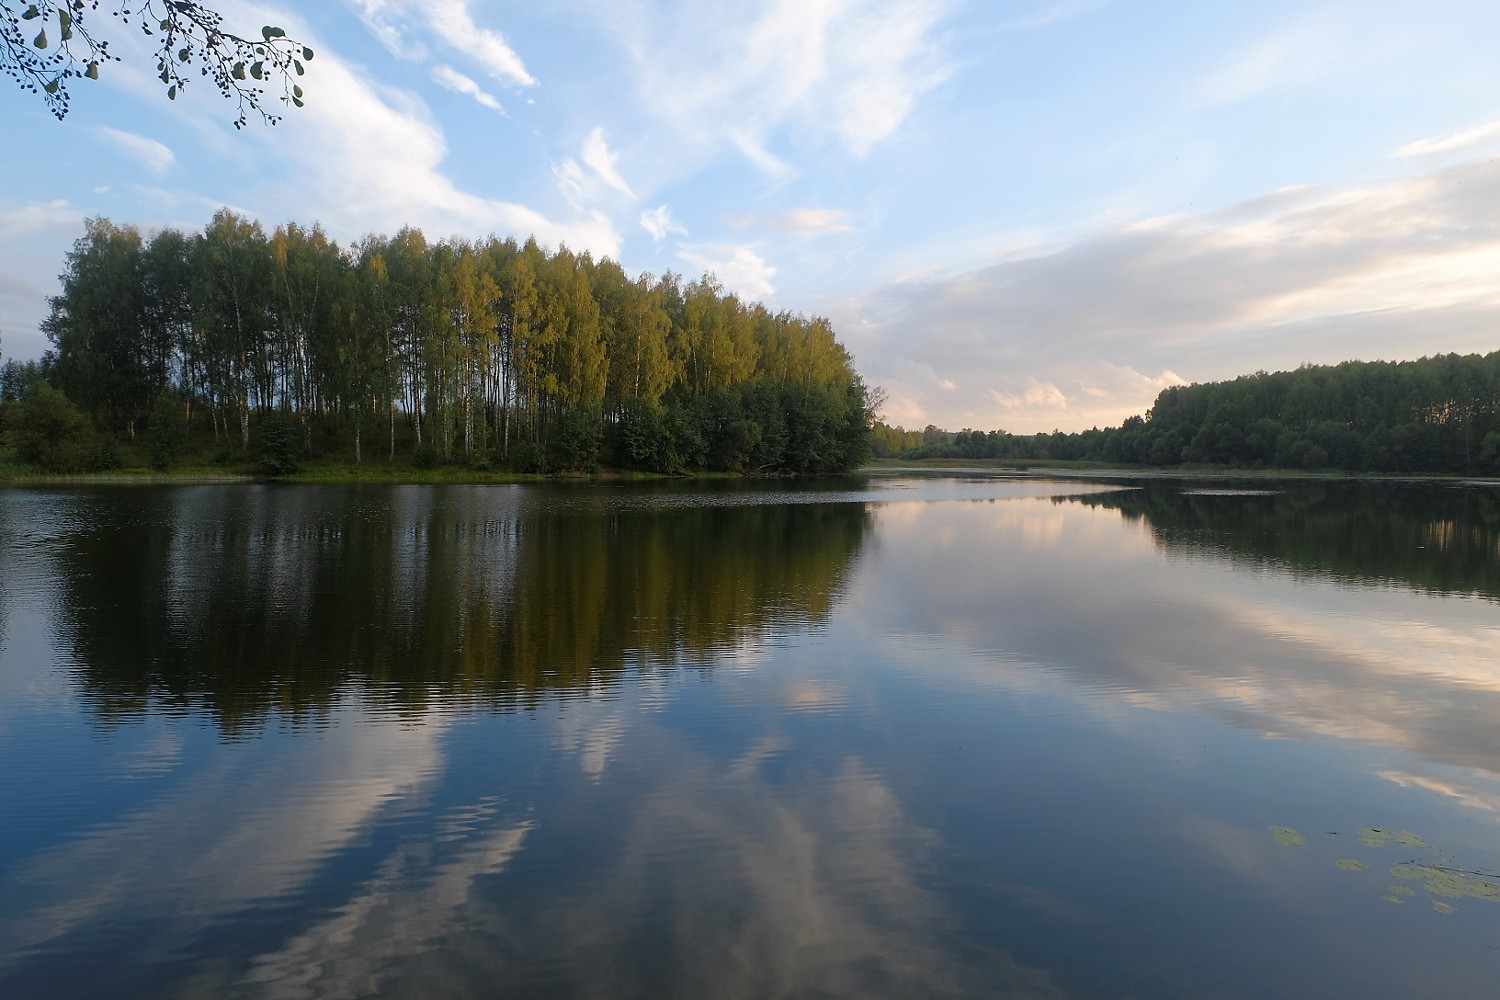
739 268
1303 275
852 70
1053 13
1036 396
1449 143
597 154
452 22
1296 54
452 79
149 153
797 221
659 222
327 147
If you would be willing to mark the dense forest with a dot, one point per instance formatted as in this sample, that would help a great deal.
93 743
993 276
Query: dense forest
288 345
1438 414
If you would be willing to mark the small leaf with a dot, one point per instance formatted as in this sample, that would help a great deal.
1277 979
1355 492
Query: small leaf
182 55
41 39
31 12
51 87
1351 865
297 66
1287 837
269 32
296 90
255 70
93 71
297 101
172 92
239 71
307 53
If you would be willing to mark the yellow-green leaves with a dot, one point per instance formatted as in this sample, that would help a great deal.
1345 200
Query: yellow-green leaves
1288 837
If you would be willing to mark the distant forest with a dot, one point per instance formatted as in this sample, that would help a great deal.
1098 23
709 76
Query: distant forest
1439 414
396 348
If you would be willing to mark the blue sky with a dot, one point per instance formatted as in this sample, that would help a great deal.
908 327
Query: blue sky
1028 214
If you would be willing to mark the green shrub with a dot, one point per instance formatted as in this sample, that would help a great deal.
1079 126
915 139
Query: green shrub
167 430
424 456
53 433
278 445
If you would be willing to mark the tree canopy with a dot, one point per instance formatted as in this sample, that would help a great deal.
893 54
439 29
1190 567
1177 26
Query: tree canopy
1437 414
47 45
489 351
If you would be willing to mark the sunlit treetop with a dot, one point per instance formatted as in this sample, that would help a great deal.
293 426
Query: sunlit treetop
45 46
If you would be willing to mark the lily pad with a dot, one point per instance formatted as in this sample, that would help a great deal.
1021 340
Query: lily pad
1287 837
1351 865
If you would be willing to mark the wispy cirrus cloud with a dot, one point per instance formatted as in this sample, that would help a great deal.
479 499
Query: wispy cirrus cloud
796 221
583 187
1062 336
452 79
1450 143
852 70
403 26
601 159
658 222
156 157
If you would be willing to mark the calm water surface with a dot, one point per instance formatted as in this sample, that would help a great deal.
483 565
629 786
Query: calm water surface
901 737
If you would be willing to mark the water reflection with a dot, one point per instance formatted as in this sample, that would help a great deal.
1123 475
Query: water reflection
243 601
1438 538
878 746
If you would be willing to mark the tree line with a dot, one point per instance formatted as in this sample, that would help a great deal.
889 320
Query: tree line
484 352
1434 415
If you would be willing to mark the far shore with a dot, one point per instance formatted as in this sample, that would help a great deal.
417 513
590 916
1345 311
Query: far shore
395 475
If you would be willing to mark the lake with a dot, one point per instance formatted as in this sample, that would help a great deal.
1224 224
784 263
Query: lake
895 736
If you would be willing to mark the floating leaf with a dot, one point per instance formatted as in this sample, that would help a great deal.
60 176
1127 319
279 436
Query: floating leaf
1393 899
1408 839
1287 837
1442 907
1373 836
1403 890
1351 865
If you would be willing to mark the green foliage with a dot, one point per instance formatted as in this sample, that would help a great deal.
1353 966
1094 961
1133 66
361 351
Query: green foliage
477 349
191 41
576 442
278 445
424 456
167 429
52 433
1433 415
